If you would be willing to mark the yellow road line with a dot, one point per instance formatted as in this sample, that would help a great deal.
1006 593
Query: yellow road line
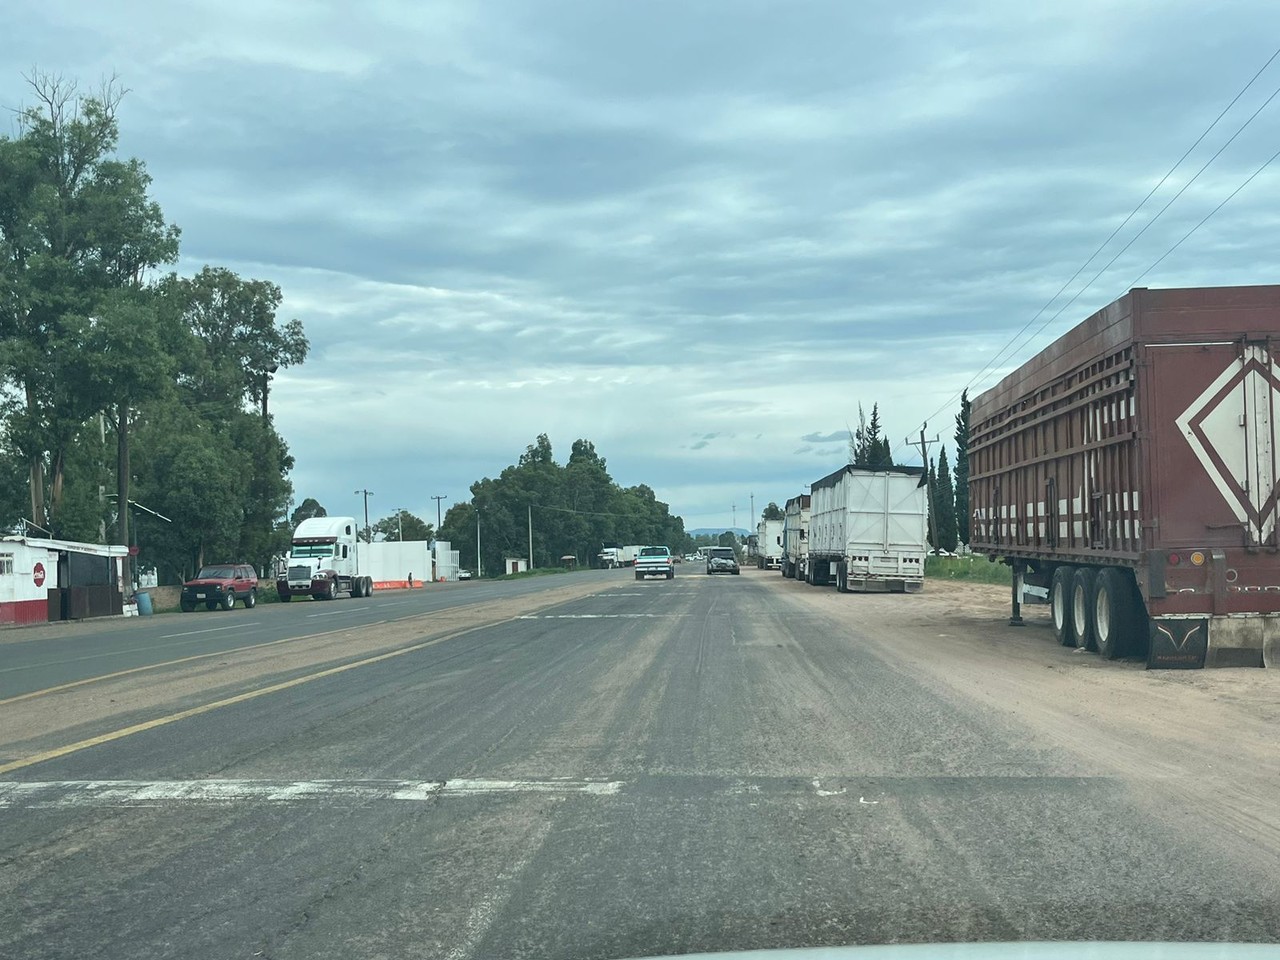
71 685
229 701
173 663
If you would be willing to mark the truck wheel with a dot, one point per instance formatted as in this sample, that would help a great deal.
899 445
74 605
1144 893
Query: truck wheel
368 586
638 576
1060 605
229 600
285 597
357 587
211 604
251 600
671 574
1115 620
842 578
332 592
1082 589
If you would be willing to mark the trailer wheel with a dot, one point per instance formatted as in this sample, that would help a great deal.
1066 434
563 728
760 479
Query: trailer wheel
1115 614
1082 599
842 578
1060 605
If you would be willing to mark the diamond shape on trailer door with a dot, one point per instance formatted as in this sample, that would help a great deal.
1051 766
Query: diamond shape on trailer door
1238 460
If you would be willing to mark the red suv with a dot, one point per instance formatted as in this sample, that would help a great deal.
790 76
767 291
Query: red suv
220 584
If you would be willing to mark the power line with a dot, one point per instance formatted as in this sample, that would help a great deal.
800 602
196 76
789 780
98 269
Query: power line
1003 350
1224 202
1134 212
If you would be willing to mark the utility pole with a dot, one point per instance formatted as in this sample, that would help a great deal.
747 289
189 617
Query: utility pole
478 567
924 458
531 536
437 499
368 536
734 508
400 523
753 506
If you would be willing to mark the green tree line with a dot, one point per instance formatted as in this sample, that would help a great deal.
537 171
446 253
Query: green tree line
573 509
123 384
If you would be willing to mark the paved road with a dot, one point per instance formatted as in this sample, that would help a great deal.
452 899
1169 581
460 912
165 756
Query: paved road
34 658
659 768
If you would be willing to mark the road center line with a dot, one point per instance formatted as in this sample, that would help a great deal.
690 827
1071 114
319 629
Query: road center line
192 633
123 732
173 663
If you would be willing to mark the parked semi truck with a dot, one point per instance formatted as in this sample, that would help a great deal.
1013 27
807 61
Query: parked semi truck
1131 469
323 561
867 530
795 538
768 554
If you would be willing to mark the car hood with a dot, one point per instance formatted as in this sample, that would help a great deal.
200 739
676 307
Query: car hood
210 582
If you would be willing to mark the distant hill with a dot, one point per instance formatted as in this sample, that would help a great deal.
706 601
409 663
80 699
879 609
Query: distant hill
715 531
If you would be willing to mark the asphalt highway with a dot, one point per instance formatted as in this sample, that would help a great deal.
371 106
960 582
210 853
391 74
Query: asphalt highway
656 768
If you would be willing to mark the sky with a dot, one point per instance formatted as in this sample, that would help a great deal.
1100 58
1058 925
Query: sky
699 235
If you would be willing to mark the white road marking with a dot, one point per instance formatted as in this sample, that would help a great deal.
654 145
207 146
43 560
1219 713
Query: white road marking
144 793
192 633
817 787
495 898
333 613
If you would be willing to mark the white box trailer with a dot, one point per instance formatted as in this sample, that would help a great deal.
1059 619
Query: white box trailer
795 538
868 529
769 544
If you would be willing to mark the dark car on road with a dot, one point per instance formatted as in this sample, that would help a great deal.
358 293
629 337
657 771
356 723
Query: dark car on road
220 585
722 560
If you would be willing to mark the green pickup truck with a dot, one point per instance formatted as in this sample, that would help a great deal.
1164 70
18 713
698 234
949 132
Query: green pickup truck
655 562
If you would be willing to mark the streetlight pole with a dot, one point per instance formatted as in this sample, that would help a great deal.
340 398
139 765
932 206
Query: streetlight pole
400 523
478 566
368 537
266 386
437 499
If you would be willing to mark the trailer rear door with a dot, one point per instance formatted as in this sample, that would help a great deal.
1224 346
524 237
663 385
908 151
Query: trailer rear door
1213 424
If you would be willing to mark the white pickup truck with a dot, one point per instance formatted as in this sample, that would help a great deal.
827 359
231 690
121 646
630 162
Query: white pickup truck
655 562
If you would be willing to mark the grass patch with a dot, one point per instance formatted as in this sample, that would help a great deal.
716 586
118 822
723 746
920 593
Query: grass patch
977 569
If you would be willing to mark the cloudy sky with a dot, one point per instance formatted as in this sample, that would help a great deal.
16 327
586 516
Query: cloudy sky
696 233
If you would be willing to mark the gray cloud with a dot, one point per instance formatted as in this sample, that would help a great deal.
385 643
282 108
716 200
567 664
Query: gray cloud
519 219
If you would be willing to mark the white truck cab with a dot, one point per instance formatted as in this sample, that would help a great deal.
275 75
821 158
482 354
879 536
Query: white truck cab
323 561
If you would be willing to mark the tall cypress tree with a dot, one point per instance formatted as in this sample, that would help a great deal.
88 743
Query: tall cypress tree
962 469
946 496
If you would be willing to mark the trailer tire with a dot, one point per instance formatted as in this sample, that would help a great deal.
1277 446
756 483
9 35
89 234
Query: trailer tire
1083 583
842 578
1060 605
1115 619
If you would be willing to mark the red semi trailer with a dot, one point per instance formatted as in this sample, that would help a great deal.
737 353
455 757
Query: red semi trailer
1131 469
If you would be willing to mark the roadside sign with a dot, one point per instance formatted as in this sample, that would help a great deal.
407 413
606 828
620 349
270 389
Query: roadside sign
37 574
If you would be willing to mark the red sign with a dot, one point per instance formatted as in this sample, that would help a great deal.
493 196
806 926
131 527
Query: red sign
37 574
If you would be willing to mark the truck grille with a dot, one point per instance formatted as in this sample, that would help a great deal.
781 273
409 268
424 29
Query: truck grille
299 573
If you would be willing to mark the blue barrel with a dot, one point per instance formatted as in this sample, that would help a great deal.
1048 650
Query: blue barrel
144 604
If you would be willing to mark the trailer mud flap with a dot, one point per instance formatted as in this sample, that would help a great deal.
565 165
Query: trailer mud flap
1178 644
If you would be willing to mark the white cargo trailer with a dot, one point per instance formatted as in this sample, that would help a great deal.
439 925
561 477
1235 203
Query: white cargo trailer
868 529
795 538
768 553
